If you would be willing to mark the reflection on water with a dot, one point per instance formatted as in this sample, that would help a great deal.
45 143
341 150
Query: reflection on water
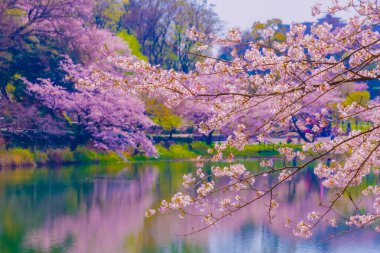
100 208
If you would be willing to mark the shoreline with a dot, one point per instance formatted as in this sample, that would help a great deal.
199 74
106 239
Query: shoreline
26 158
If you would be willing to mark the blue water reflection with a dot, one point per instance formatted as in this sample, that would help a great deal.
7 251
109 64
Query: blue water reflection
100 208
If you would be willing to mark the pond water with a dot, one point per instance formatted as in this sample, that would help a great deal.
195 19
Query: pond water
100 209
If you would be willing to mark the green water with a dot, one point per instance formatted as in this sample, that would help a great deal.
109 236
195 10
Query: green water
100 208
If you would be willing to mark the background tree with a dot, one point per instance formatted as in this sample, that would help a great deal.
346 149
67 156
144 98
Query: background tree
35 36
255 34
195 114
160 27
163 116
97 110
28 29
108 14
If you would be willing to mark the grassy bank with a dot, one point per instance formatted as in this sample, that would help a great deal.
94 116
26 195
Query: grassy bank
26 158
186 151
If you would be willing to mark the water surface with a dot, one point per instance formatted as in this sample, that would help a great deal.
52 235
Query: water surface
100 209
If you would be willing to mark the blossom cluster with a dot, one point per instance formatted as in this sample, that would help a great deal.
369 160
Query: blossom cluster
303 230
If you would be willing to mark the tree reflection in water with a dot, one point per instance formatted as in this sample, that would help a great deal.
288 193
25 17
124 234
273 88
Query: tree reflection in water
103 211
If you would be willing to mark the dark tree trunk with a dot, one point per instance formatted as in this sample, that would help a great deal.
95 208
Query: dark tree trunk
299 131
4 92
73 144
209 138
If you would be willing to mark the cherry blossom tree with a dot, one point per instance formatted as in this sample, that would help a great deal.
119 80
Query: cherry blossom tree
28 27
113 118
195 114
27 126
34 37
37 35
274 81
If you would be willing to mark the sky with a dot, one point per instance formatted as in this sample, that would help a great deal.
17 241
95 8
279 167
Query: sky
242 13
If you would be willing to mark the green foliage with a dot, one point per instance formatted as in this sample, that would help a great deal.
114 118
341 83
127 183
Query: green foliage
163 152
68 156
16 158
40 157
15 12
133 44
168 121
181 151
275 24
85 155
200 148
162 115
195 149
59 156
109 12
10 88
360 97
279 36
27 158
357 124
109 157
175 151
262 149
64 114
